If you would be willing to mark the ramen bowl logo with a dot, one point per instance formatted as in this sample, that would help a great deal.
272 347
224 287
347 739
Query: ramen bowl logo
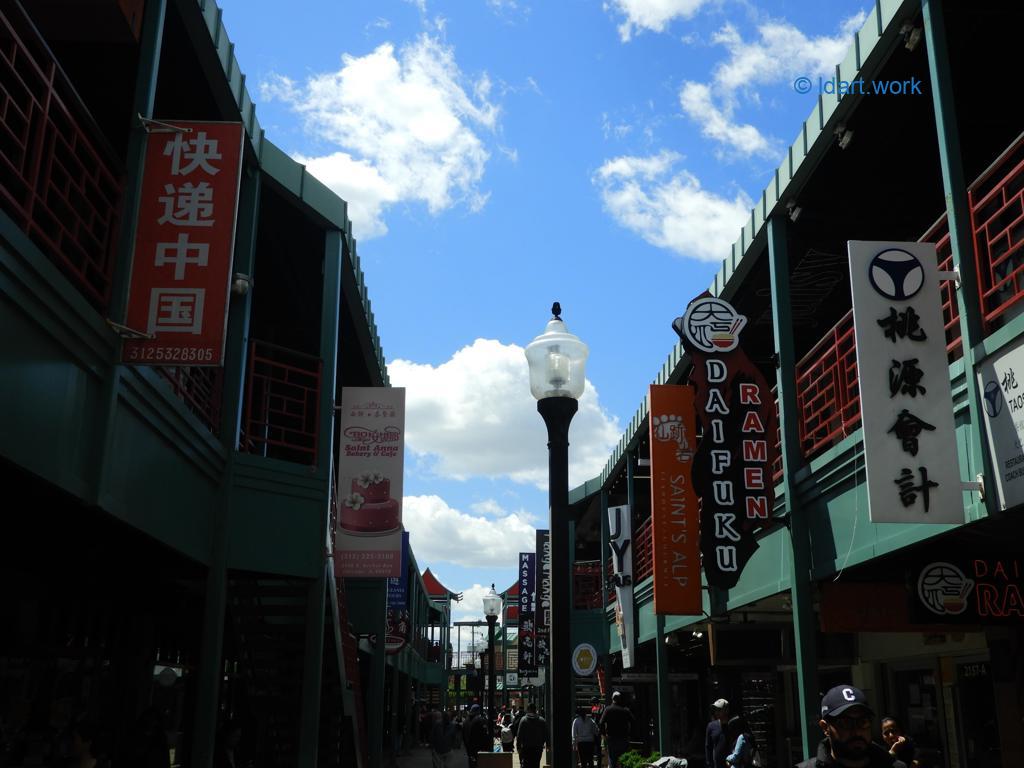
712 325
943 589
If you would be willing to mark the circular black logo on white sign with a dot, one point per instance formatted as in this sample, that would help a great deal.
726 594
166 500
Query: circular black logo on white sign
896 274
993 399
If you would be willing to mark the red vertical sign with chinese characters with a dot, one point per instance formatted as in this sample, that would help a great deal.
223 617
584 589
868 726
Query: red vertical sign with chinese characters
184 244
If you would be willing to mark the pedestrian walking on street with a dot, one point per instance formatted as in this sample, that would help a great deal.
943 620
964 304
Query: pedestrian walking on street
715 740
477 735
741 744
846 724
531 738
442 738
585 735
617 727
596 710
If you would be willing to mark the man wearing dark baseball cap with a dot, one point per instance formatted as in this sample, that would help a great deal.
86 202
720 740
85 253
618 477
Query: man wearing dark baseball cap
846 722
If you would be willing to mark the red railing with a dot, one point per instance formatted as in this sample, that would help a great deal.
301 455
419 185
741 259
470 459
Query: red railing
282 404
201 389
58 180
827 396
643 560
996 200
586 584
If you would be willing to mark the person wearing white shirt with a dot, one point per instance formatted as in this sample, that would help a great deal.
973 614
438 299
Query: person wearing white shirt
585 734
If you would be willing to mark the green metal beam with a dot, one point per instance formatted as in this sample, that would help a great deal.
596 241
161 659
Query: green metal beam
804 629
236 348
664 688
959 219
312 671
150 45
375 684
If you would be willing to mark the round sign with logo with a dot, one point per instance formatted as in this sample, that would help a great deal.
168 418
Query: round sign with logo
584 659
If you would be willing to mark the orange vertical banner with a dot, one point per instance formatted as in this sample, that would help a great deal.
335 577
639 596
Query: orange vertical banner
675 530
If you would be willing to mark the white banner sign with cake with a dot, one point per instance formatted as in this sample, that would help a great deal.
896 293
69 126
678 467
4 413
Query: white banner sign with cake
370 464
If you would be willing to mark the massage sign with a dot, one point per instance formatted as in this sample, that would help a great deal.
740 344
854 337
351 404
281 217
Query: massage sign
913 475
527 625
732 466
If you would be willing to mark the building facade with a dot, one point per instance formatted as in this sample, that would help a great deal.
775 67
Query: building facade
830 596
167 565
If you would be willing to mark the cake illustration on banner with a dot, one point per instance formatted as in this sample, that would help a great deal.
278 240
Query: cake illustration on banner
369 508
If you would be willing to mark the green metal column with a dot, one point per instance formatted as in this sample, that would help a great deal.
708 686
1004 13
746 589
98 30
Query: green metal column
393 724
330 313
631 501
211 659
309 726
150 45
804 625
960 237
664 688
312 671
236 349
605 649
375 684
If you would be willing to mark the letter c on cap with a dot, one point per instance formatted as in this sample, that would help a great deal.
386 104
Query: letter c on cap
848 694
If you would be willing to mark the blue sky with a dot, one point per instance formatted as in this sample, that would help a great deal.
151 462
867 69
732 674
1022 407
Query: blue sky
501 154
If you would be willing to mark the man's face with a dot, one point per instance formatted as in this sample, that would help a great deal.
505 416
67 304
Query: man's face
849 735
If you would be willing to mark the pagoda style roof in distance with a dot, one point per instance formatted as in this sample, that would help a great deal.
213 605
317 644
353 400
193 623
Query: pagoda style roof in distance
435 588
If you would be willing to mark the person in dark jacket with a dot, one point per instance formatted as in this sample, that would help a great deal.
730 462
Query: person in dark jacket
846 723
531 738
477 735
617 727
716 742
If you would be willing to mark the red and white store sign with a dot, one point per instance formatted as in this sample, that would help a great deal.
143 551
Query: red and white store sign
184 244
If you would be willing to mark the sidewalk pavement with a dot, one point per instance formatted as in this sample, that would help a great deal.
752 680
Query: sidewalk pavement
419 757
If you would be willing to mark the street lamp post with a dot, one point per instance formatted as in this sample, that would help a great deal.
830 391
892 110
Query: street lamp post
492 605
557 359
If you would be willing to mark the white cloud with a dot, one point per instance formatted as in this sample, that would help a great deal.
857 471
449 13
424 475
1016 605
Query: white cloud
618 130
780 54
440 533
361 184
653 15
717 124
669 208
473 416
406 123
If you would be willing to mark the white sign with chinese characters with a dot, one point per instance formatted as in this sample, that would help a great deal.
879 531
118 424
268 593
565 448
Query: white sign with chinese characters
1001 380
620 541
906 402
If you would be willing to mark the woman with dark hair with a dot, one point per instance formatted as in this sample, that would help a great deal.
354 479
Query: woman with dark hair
898 744
740 741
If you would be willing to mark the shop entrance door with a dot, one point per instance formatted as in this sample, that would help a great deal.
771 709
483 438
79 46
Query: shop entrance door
976 716
918 698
